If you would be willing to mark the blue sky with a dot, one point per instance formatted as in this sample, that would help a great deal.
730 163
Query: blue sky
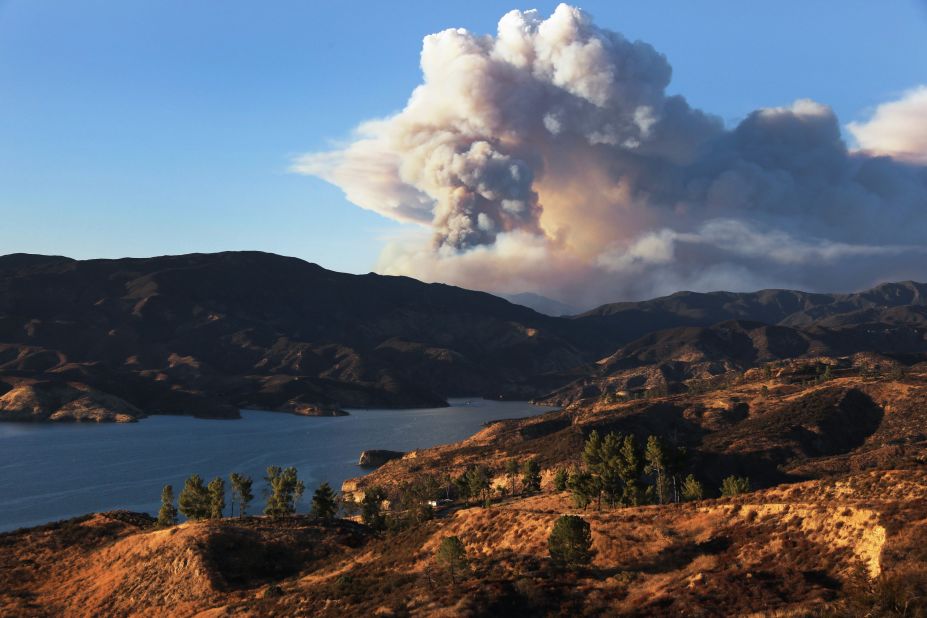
138 128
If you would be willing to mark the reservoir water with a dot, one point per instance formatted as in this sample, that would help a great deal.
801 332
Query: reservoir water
55 471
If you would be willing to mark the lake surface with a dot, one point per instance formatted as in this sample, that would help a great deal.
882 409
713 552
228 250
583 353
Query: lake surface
55 471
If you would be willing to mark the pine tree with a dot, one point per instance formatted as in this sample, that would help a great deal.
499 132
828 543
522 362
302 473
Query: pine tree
452 556
531 476
583 488
324 505
241 493
462 486
272 472
592 455
511 469
603 460
194 498
677 456
216 489
611 486
595 463
655 455
629 470
692 489
560 479
610 482
167 515
285 491
371 513
570 541
478 482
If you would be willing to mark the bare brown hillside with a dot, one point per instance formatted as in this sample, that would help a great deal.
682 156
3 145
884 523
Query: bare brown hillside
804 549
775 426
836 524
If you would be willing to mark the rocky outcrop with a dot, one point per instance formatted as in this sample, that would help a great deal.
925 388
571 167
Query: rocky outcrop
377 457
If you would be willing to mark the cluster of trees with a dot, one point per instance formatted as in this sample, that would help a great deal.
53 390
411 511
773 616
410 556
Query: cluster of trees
529 472
285 491
198 500
475 484
411 502
201 501
618 472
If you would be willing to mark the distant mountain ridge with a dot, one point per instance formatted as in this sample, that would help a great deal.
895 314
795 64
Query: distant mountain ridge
210 333
752 329
628 320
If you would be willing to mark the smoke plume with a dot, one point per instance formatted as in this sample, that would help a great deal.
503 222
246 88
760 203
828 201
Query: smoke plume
550 158
897 129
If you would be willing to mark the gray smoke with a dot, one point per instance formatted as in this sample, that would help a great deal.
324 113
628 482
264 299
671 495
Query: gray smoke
550 159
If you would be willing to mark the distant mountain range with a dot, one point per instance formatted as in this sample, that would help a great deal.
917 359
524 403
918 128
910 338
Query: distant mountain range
208 334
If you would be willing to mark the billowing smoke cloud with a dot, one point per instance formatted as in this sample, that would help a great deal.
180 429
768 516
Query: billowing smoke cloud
550 158
897 129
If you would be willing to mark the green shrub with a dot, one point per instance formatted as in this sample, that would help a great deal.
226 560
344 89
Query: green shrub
735 485
560 479
570 541
167 515
692 489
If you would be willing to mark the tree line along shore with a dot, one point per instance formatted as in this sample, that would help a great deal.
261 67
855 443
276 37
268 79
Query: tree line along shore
615 472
